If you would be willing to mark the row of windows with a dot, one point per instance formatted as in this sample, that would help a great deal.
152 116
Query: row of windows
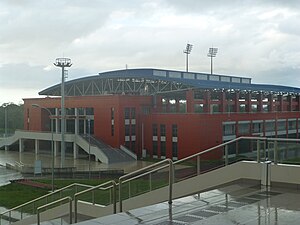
129 113
163 130
130 128
162 150
247 127
199 76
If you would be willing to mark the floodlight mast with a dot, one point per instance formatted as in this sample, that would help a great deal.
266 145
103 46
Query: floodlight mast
63 62
212 52
187 51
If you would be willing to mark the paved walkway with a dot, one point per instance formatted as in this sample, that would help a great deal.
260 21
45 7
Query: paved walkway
231 205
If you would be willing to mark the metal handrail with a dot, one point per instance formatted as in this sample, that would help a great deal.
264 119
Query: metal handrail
95 188
154 167
139 172
52 203
40 198
219 146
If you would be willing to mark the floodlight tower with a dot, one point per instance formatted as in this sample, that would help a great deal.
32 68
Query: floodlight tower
63 62
212 52
187 51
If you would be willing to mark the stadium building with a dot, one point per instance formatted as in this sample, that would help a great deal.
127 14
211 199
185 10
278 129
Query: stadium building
162 113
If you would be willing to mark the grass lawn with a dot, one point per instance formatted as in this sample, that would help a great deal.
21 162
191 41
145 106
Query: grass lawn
15 194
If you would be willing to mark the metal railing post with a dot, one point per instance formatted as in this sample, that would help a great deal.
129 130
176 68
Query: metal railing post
258 150
171 175
129 189
226 155
120 196
75 209
93 197
198 165
71 215
150 181
38 219
265 148
115 196
275 152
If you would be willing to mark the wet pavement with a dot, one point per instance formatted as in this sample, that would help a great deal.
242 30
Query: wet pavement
81 164
231 205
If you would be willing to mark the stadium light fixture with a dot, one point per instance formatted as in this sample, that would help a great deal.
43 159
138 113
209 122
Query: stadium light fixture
187 51
63 62
212 52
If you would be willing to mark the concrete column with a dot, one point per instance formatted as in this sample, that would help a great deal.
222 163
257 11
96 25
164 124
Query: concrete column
190 101
259 102
21 145
290 103
76 121
280 101
56 146
75 150
84 124
237 102
168 105
223 102
298 102
36 146
271 104
177 105
207 102
248 102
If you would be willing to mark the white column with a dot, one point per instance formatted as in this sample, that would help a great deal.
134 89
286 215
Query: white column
21 145
75 150
76 121
56 144
37 146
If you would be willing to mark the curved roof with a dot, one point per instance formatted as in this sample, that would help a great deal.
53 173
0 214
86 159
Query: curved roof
151 81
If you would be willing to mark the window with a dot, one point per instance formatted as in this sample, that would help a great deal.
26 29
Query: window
292 124
270 126
154 147
133 146
133 129
163 148
89 111
281 125
112 111
198 108
228 129
257 127
174 149
154 129
127 113
127 130
112 130
132 113
174 130
162 130
244 128
70 111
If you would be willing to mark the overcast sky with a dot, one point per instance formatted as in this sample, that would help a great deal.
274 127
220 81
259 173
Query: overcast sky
258 39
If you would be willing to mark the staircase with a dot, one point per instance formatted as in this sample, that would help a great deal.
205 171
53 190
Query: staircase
113 155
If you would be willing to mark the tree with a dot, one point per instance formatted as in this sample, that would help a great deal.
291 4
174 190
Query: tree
15 114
